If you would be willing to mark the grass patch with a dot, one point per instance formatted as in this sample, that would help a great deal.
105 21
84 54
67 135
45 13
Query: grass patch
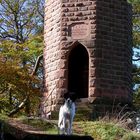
42 125
99 130
3 117
131 136
103 131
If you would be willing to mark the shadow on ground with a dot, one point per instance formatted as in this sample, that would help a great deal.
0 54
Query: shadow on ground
8 136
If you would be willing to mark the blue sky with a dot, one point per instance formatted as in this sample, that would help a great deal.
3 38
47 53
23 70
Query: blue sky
135 53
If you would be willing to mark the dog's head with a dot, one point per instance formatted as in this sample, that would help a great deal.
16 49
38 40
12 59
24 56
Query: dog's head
68 102
70 95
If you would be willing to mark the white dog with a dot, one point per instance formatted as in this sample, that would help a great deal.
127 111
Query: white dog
66 116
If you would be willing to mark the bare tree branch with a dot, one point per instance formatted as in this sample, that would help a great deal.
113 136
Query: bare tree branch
20 106
136 59
37 64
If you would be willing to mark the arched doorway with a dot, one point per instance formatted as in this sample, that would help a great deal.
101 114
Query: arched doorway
78 71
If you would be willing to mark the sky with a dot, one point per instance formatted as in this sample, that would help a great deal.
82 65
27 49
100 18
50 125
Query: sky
135 52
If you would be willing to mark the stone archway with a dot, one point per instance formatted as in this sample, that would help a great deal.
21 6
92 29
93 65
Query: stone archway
78 71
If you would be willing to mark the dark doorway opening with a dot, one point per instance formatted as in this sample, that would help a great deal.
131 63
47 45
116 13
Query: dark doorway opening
78 71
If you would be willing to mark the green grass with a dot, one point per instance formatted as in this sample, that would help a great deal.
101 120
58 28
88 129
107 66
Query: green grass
103 131
3 117
46 126
99 130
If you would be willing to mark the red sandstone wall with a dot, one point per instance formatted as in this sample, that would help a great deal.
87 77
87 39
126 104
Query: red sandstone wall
52 35
108 42
104 28
114 44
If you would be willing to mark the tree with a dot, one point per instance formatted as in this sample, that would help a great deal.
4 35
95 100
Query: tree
21 42
136 46
19 19
16 78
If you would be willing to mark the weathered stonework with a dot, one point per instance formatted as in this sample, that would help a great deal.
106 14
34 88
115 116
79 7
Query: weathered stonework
103 29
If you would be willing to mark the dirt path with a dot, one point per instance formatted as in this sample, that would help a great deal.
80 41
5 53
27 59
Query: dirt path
20 125
20 129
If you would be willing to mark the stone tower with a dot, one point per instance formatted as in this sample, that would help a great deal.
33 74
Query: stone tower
87 50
